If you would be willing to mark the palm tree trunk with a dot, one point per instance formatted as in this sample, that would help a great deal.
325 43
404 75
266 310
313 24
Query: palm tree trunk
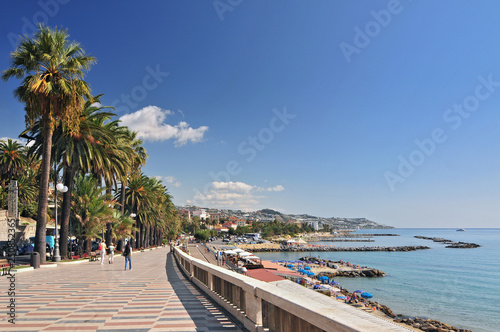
43 195
122 199
88 246
108 224
69 174
141 236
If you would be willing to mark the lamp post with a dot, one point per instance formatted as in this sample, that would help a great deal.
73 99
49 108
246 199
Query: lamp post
132 215
62 188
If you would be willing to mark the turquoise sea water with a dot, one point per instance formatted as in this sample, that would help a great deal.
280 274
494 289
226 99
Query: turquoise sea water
460 287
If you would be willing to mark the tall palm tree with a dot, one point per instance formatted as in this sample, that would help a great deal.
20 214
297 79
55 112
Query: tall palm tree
77 151
80 153
52 89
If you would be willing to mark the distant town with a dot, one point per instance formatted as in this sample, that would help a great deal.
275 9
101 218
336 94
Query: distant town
223 219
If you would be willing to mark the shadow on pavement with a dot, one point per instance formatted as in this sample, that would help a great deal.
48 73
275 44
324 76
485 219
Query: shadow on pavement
206 315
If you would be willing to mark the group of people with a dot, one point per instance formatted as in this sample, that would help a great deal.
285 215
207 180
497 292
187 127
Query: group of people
127 252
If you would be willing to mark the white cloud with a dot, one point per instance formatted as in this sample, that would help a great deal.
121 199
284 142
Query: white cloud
170 180
149 125
233 195
21 141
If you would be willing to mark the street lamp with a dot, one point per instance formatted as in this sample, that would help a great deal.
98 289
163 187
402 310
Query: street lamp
133 215
62 188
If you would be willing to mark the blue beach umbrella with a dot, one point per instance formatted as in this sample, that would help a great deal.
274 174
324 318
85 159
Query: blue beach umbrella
341 297
307 268
366 295
358 291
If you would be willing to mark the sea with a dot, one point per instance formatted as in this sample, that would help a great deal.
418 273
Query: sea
460 287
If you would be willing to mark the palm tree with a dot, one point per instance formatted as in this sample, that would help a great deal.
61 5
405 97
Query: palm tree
77 151
52 89
13 159
13 162
90 208
122 226
80 153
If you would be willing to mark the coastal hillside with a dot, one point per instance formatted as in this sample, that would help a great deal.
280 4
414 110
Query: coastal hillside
270 215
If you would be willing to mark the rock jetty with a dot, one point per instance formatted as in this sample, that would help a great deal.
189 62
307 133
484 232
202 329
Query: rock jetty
300 248
343 269
429 325
449 243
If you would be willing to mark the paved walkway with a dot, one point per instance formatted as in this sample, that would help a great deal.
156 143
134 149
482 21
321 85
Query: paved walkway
153 296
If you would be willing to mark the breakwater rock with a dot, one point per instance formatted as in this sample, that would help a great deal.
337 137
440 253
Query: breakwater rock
334 248
449 243
343 269
363 272
428 325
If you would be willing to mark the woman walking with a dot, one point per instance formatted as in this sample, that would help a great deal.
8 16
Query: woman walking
111 253
102 247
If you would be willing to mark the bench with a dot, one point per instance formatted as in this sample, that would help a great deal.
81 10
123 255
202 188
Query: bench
5 265
94 256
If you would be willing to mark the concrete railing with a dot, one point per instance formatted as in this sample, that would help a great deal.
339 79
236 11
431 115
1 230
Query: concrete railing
277 306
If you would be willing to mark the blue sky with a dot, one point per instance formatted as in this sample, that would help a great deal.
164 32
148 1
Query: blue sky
387 110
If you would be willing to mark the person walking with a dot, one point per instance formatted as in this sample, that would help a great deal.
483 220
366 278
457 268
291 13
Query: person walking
103 251
111 253
128 256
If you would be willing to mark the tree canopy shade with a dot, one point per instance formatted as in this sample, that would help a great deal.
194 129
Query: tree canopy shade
51 69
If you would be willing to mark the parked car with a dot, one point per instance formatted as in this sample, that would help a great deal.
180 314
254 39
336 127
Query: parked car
26 249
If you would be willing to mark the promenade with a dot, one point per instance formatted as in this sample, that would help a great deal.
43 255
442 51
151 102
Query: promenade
153 296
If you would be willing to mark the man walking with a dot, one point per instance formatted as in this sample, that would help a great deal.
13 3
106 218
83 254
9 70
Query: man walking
128 256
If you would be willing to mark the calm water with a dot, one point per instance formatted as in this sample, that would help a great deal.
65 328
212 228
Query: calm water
460 287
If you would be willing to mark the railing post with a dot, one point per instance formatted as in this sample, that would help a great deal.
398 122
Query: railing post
253 308
210 281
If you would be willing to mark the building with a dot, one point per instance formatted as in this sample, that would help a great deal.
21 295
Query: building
202 214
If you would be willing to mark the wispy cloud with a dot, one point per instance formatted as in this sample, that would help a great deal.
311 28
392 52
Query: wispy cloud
170 180
233 195
149 123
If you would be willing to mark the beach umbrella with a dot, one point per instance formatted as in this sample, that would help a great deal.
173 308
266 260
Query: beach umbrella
342 297
307 268
230 252
289 265
334 283
366 295
358 291
244 254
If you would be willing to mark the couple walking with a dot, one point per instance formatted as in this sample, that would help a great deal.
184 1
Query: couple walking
102 248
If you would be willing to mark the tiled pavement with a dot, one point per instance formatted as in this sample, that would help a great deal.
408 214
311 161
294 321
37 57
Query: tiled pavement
153 296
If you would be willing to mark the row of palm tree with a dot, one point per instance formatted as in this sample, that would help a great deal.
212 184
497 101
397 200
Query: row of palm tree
72 132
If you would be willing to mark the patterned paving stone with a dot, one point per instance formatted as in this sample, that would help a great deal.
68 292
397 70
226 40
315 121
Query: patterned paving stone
154 296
